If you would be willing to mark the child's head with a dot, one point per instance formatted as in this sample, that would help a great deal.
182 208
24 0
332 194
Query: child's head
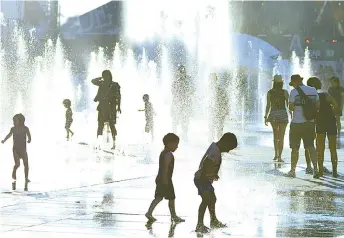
171 141
227 142
18 120
145 97
67 103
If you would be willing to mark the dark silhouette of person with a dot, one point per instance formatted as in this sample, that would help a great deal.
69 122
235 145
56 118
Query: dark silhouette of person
109 99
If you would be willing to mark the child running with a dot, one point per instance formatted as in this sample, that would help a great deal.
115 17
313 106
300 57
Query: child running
20 132
206 174
149 113
164 185
69 117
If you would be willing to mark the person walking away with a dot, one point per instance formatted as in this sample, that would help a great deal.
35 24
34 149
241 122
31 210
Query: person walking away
325 125
304 103
337 92
276 114
20 133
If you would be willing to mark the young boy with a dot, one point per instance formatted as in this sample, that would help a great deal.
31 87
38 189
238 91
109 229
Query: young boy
149 113
206 174
164 185
19 132
69 117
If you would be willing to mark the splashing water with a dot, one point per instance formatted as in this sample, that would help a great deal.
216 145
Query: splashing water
305 68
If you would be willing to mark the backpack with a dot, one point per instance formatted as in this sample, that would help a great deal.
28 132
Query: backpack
309 107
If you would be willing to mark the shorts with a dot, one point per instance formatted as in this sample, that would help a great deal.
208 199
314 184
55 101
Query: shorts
149 125
68 124
203 186
304 131
328 128
165 191
20 153
278 117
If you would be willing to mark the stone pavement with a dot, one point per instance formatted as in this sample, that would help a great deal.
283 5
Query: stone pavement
77 192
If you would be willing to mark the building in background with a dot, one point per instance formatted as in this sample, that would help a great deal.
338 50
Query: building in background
34 17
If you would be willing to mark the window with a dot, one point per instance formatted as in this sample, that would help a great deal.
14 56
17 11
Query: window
329 53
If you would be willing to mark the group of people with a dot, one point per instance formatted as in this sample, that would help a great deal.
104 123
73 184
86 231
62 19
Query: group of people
204 177
315 114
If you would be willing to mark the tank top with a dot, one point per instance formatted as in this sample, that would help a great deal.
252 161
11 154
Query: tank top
162 164
277 99
325 113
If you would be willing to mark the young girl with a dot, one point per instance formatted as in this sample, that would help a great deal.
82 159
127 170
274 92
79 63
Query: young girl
20 132
69 117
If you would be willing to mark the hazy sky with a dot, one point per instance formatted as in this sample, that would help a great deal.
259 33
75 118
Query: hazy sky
70 8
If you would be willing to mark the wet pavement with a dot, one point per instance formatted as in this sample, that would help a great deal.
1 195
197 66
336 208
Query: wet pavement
79 192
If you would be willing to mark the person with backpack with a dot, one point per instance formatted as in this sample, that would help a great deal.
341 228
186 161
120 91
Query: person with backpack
304 103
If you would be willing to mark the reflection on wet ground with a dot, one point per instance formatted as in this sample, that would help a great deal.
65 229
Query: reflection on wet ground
96 194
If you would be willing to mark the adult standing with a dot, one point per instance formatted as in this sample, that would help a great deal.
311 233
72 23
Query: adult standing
276 114
325 126
302 100
337 92
109 99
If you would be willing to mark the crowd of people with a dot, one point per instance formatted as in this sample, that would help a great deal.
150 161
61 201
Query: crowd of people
315 114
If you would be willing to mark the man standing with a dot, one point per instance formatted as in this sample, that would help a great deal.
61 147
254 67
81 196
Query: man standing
109 98
182 96
337 92
301 99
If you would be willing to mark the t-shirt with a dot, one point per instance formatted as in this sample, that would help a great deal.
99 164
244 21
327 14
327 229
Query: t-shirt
213 153
298 116
336 93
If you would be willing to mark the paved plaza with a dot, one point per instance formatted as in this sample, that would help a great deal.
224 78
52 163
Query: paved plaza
79 192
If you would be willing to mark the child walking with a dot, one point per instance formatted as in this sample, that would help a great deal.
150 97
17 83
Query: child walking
69 117
206 174
164 185
20 133
149 113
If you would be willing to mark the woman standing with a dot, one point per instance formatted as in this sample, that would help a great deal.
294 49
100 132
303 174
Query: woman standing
276 114
325 124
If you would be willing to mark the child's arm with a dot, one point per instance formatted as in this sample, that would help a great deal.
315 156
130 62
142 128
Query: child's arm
7 137
167 161
28 134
